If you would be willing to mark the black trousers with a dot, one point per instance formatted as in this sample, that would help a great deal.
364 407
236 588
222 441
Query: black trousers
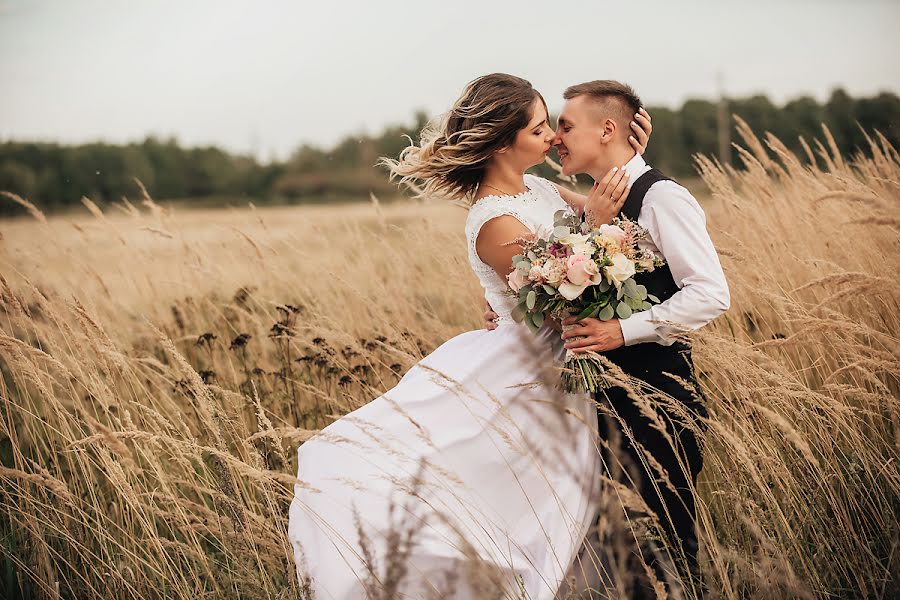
681 458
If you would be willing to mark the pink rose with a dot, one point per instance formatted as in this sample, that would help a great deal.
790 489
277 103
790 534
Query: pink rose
581 270
516 280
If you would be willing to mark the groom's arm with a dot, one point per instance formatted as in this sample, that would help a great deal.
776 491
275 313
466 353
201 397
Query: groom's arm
677 226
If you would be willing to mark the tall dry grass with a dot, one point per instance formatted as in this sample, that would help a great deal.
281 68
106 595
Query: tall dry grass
160 367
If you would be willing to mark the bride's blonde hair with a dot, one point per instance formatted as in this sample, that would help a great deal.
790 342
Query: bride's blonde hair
455 148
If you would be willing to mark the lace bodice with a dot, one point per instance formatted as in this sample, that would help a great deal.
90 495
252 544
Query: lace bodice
535 208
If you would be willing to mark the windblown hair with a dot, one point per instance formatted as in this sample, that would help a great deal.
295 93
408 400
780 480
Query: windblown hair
615 99
455 148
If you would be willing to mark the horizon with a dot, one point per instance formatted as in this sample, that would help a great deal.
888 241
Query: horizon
330 146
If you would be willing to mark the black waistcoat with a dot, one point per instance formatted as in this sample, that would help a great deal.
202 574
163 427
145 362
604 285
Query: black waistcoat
649 361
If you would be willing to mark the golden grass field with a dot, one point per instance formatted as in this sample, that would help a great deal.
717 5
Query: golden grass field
161 365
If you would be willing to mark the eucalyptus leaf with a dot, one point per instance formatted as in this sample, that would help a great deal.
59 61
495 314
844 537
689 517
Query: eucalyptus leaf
531 255
549 290
530 299
537 319
603 286
519 312
529 321
587 311
623 310
561 231
642 292
652 298
630 288
606 313
620 293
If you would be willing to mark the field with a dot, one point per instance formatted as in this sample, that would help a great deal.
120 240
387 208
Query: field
161 365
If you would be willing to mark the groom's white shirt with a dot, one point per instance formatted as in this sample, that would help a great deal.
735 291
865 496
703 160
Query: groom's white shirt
677 227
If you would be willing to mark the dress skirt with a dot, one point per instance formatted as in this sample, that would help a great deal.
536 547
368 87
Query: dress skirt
472 478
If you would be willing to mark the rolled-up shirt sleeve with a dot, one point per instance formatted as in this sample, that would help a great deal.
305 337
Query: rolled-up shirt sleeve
677 227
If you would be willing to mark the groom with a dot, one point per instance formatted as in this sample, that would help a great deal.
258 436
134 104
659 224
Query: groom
592 137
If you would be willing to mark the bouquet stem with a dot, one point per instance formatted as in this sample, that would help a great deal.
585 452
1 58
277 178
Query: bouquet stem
583 371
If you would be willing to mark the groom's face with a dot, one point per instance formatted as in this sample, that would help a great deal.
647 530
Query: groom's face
578 134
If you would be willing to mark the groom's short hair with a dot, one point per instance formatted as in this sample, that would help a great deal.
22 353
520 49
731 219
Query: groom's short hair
615 99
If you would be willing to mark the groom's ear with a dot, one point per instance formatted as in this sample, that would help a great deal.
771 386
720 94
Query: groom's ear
608 130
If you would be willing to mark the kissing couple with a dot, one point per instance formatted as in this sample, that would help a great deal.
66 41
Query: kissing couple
476 476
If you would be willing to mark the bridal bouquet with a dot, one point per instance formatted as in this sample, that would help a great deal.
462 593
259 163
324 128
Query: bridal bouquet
584 272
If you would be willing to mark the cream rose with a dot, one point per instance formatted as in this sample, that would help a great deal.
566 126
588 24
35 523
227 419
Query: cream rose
620 270
553 271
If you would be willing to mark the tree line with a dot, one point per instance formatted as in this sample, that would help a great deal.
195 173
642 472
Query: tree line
55 176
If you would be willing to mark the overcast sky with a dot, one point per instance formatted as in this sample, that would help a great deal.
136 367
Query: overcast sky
268 75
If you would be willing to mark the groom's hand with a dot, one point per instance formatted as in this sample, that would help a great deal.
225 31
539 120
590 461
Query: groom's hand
597 335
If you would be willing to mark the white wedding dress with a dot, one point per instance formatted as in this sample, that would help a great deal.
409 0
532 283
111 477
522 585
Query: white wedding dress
471 478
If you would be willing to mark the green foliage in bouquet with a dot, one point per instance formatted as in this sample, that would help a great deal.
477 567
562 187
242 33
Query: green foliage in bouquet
582 271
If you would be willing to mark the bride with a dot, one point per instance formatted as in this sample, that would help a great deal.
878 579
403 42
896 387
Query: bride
473 477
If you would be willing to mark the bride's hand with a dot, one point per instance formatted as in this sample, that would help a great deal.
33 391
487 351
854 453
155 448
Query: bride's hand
489 315
642 128
607 197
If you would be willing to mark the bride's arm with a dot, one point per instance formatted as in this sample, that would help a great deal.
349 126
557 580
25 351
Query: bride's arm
496 244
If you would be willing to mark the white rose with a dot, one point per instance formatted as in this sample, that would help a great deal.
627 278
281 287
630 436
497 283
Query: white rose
570 291
613 231
585 249
580 243
620 270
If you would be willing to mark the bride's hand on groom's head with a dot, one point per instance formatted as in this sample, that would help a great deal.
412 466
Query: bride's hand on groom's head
593 335
642 127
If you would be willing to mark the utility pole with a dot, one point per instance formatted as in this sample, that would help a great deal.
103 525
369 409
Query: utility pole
254 144
723 122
